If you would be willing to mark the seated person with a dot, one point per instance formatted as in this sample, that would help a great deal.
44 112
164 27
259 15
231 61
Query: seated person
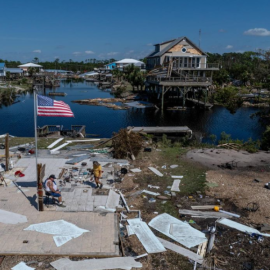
51 187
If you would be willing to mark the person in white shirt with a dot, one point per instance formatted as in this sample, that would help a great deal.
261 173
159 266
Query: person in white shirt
51 187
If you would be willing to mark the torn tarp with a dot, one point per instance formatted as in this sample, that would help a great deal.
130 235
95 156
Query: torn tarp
63 230
22 266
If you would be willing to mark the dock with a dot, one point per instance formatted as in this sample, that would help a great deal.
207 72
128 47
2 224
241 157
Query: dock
170 130
200 103
57 94
58 131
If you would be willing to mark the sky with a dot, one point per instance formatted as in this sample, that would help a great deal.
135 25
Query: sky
95 29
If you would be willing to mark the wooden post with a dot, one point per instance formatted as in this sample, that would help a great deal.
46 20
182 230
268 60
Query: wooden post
205 97
41 174
7 151
184 96
162 98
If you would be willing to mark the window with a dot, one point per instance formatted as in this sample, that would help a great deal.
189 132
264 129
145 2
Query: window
184 50
198 62
180 62
193 62
185 62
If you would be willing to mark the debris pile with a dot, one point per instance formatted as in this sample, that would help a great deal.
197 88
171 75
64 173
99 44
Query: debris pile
127 144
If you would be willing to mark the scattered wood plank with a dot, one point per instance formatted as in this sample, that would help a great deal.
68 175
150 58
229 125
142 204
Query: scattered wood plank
55 143
154 170
204 207
180 250
201 214
202 249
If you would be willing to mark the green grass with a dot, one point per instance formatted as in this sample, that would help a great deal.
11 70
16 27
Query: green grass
44 142
193 176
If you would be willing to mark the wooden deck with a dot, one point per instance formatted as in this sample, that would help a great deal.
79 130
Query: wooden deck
162 130
200 103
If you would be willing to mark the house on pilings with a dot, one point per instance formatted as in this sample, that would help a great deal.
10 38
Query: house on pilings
178 69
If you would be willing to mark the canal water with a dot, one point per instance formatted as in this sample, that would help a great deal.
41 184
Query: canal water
18 119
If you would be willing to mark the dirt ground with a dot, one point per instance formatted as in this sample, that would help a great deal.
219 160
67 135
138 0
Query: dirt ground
233 188
212 158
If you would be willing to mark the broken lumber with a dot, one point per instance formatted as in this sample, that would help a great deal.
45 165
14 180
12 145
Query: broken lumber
180 250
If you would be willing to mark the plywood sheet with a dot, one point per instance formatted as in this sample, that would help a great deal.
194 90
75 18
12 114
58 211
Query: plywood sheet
180 250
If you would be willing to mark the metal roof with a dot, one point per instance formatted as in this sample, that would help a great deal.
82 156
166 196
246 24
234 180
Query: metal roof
176 41
165 42
14 70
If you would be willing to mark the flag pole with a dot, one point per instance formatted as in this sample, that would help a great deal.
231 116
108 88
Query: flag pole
35 123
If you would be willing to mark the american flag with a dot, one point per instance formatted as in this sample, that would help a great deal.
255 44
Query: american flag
49 107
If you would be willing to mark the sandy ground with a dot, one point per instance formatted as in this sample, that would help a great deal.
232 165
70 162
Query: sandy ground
213 158
237 184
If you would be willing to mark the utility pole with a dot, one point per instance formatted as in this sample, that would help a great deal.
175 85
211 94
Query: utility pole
200 32
7 151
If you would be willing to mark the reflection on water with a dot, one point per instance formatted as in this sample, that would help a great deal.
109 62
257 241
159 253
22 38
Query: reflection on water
18 118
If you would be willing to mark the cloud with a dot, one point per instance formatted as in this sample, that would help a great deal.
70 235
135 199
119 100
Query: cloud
229 47
76 53
222 30
257 32
89 52
112 53
149 44
37 51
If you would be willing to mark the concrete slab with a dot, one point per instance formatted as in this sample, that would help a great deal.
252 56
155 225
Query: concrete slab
11 218
14 240
53 166
97 264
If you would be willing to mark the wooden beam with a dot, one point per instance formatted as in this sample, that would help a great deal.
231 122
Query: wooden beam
7 151
41 174
162 98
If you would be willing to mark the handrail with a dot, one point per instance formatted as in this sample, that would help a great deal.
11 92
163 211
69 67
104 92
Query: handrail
180 79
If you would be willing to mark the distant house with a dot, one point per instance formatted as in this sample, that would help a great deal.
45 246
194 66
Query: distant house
15 72
182 51
110 66
125 62
25 67
2 69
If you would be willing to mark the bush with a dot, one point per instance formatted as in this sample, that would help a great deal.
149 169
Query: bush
127 143
266 139
119 91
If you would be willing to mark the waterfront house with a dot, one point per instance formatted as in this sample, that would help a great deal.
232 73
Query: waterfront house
2 69
26 66
182 51
178 69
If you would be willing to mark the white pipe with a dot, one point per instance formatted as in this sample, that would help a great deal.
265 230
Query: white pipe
55 143
91 140
231 214
59 147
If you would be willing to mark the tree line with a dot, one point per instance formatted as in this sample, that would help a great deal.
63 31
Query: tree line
249 68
